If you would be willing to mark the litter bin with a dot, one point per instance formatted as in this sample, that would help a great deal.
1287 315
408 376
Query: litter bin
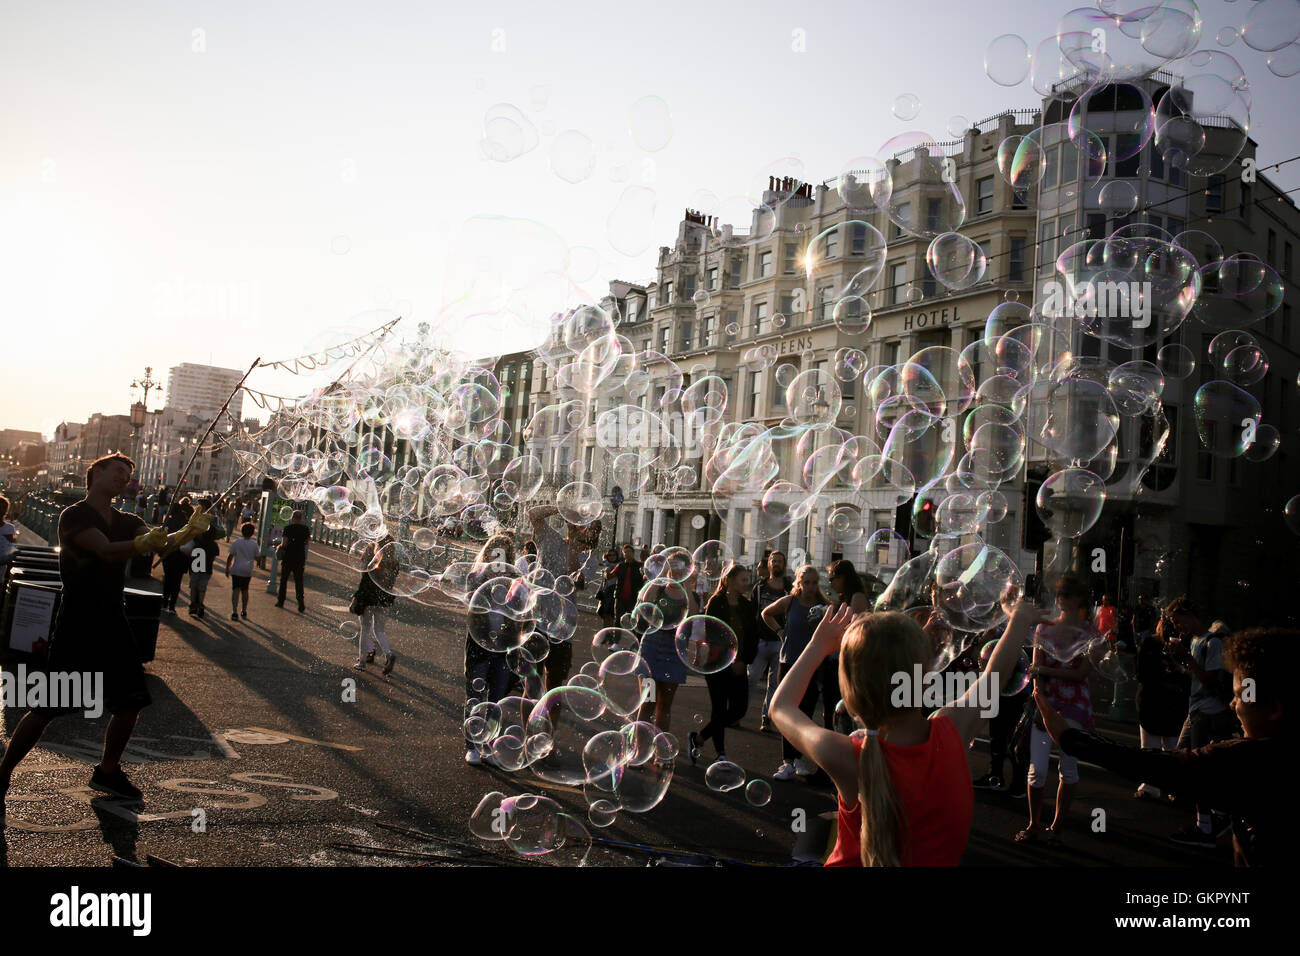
143 613
29 615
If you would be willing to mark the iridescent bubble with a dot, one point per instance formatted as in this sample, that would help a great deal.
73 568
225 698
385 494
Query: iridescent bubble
1267 442
579 502
971 582
1070 501
507 133
573 156
906 106
1271 25
1007 60
723 775
1019 678
1285 62
1118 198
1226 418
706 644
758 792
1176 361
956 261
1291 514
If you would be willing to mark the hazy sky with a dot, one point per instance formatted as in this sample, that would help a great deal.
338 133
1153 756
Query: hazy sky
211 182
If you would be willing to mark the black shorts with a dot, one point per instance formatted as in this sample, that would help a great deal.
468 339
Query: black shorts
239 583
100 647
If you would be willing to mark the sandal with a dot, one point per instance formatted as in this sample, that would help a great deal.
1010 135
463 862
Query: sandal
1027 836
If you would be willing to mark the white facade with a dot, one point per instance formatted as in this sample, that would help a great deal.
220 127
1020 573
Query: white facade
202 389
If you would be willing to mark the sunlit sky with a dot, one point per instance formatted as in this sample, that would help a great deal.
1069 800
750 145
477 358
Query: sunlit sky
213 182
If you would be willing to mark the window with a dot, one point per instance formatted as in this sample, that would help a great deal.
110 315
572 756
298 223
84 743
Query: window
1175 226
1049 174
825 303
933 214
688 289
645 345
1096 226
1046 232
927 281
790 261
833 242
787 303
849 389
763 267
1285 335
733 280
973 356
859 238
1244 205
984 195
711 278
889 355
668 292
1286 261
663 339
759 316
706 330
1175 175
589 459
897 279
904 213
733 318
1271 257
1214 195
1070 163
1019 199
1129 145
685 337
751 399
778 390
1016 260
1157 162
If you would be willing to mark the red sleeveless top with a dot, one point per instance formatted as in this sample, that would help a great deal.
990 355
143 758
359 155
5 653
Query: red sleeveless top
932 781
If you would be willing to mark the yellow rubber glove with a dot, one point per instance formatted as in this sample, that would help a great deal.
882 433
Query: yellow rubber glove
198 523
154 540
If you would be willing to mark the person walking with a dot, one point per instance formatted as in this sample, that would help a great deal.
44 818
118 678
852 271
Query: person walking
374 593
674 603
1164 691
178 562
773 584
292 556
797 608
92 633
1199 654
729 687
487 673
241 561
203 559
629 578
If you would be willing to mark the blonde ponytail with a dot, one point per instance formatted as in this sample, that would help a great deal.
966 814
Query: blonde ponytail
875 647
878 803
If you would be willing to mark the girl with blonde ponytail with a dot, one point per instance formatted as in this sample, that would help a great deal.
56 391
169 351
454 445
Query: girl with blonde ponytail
905 796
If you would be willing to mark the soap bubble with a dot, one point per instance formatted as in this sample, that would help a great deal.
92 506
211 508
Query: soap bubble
1069 501
723 775
706 644
758 792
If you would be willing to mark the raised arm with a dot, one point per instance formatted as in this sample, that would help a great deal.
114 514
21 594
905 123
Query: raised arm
831 751
965 712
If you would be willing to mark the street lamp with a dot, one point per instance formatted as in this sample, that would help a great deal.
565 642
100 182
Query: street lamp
140 409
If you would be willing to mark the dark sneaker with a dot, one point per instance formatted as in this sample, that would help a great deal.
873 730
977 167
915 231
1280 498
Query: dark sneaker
234 617
114 783
244 615
302 609
1194 836
389 662
279 604
987 782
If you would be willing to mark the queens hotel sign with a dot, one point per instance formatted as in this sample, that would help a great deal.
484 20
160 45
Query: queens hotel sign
931 319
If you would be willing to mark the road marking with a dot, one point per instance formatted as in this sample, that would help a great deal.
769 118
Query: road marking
304 740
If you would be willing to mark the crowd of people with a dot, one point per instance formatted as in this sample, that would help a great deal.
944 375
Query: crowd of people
1211 705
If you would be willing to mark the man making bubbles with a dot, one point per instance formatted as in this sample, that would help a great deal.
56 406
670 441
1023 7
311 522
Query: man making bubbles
92 634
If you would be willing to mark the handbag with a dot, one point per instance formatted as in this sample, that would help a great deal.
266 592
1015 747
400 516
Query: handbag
356 607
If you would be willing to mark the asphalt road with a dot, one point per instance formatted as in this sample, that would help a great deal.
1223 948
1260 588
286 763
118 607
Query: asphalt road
251 756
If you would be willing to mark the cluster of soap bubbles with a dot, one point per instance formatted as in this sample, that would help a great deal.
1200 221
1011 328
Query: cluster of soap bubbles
423 439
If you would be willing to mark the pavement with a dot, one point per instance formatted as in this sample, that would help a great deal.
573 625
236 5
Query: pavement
255 753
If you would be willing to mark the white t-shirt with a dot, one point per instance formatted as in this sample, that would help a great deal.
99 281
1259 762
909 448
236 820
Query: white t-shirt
244 554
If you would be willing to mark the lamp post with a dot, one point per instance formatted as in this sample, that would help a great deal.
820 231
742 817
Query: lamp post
140 409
